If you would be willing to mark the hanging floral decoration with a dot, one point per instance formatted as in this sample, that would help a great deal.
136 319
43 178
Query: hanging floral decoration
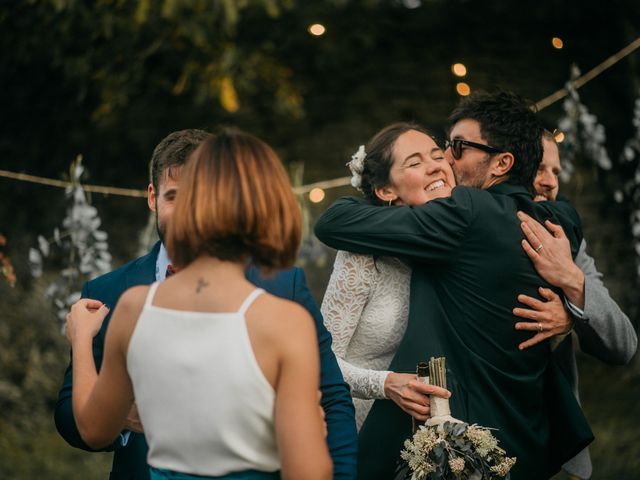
631 189
80 245
583 134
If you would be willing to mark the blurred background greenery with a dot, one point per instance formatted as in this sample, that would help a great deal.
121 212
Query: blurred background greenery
109 78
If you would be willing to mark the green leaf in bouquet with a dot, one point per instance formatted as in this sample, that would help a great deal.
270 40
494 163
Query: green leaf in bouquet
439 473
476 475
458 429
447 427
439 454
463 447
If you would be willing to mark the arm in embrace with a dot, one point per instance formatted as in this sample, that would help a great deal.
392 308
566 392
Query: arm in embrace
479 294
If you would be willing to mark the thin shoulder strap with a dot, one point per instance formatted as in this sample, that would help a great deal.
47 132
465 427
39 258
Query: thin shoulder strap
249 300
151 294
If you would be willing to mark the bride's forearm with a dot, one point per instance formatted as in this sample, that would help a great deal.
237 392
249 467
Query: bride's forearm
365 383
84 379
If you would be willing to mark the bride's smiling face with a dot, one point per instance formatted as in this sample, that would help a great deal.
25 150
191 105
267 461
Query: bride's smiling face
419 172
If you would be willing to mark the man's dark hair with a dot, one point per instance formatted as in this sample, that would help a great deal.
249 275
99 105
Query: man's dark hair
172 152
509 123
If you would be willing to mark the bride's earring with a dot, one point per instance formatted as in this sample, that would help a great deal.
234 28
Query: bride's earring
390 202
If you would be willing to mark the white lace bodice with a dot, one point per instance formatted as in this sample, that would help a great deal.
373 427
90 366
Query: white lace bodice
365 308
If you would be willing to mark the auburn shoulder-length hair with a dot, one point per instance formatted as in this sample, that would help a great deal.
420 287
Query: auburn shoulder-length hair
235 201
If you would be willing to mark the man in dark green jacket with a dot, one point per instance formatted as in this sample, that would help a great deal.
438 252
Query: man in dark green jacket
468 270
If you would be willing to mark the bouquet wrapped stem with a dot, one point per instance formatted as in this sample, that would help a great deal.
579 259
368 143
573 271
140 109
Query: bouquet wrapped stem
447 448
440 411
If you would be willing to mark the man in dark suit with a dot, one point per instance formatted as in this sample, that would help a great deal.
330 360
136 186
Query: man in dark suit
468 270
129 462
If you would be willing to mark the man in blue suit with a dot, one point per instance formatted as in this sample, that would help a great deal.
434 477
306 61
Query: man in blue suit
130 449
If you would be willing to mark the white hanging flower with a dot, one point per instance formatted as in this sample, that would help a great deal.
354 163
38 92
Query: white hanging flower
628 153
51 290
43 245
100 235
566 172
564 124
78 170
35 262
356 165
82 242
618 196
582 132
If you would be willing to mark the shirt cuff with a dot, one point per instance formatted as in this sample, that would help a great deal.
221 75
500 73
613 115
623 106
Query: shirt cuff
124 438
575 311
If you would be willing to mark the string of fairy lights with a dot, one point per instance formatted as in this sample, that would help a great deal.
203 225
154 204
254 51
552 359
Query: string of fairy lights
316 190
458 69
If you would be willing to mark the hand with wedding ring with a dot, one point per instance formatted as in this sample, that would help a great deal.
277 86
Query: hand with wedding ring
547 318
551 257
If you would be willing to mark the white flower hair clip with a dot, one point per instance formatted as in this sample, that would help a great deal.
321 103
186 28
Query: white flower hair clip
356 165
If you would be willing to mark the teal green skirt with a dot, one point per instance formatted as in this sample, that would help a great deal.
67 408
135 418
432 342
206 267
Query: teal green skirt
161 474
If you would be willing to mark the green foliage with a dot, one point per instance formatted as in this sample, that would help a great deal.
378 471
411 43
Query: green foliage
112 50
33 355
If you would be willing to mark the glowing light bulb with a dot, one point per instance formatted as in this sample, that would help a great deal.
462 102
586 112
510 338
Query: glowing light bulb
557 43
316 29
463 89
458 69
316 195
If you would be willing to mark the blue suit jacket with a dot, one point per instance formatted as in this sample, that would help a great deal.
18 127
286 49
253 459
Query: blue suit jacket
129 462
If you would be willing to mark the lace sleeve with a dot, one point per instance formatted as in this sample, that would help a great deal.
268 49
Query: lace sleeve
347 293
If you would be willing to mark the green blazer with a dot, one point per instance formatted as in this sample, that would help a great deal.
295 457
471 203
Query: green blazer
468 269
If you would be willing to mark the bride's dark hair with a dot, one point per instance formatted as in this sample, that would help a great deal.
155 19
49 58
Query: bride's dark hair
379 158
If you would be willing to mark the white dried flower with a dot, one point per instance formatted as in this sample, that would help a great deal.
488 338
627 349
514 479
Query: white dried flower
356 165
503 468
416 453
456 464
482 439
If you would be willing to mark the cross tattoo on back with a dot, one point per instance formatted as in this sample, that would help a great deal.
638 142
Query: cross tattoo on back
201 285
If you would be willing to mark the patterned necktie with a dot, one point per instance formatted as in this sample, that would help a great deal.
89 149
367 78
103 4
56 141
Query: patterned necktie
170 271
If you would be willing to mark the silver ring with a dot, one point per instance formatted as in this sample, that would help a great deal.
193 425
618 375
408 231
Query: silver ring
540 247
540 329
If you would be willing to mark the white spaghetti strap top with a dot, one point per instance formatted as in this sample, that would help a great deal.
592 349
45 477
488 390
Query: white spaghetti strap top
249 300
150 294
206 406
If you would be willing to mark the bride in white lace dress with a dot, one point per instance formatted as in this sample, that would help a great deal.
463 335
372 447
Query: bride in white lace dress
366 304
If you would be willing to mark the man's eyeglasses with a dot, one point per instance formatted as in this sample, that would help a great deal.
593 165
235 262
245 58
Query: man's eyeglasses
457 143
